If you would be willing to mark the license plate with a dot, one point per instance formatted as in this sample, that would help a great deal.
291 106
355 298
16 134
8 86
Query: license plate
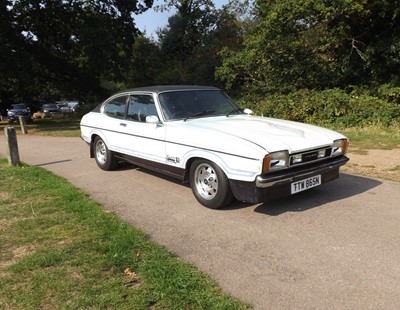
302 185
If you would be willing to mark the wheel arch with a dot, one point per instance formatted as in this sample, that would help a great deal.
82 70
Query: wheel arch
93 136
205 156
188 164
234 167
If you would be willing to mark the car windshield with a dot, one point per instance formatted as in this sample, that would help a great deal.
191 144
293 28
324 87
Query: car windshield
18 106
177 105
49 105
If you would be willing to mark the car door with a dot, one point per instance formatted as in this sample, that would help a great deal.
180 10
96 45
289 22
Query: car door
111 124
141 140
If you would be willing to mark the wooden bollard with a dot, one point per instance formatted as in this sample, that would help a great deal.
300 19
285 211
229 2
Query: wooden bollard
12 145
22 122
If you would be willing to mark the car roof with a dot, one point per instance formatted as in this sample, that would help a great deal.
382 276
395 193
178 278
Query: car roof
167 88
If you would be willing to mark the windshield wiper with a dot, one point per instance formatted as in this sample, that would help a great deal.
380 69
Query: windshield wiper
201 113
235 110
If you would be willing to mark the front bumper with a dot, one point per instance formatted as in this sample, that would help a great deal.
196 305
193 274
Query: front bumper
277 184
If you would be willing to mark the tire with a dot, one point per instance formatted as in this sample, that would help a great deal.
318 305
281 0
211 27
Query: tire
209 184
105 159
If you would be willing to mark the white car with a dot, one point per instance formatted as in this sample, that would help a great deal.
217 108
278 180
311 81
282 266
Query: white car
199 135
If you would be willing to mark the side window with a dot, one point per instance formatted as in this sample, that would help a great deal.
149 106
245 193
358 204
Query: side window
116 107
140 106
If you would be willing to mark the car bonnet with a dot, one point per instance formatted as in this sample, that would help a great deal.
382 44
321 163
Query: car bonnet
269 133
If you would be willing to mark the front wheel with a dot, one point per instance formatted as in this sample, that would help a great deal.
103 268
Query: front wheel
209 184
105 159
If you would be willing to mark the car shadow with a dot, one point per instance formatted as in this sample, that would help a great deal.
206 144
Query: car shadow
344 187
123 166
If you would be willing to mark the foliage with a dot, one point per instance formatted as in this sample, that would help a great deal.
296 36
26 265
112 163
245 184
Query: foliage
143 66
187 28
191 42
324 52
55 49
317 44
332 107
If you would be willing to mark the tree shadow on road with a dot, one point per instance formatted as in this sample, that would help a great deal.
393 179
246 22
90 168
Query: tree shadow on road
344 187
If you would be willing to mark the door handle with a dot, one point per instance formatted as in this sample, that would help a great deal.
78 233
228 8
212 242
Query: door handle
122 124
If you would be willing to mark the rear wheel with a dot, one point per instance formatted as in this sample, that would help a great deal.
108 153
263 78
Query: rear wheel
105 159
209 184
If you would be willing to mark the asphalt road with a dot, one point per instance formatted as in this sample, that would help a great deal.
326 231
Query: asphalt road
334 247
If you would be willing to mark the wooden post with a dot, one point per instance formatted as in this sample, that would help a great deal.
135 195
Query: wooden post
22 122
12 145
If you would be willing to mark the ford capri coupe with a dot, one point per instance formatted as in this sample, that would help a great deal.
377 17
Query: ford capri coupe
199 135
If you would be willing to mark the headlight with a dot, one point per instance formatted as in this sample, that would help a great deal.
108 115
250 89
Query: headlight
275 161
340 147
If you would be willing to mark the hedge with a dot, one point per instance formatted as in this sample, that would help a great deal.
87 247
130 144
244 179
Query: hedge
355 107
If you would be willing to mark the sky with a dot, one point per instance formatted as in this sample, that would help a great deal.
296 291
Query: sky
150 21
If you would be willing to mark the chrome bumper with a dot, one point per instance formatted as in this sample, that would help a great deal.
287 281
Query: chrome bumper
283 177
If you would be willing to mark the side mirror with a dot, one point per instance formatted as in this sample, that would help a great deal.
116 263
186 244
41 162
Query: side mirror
248 111
152 119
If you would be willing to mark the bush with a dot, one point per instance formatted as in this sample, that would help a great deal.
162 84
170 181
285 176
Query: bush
332 107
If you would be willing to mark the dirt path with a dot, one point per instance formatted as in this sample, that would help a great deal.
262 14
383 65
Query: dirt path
384 164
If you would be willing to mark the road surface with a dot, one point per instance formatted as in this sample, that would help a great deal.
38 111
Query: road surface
334 247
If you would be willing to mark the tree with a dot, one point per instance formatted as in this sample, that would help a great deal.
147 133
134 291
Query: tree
317 44
144 64
64 48
191 42
182 38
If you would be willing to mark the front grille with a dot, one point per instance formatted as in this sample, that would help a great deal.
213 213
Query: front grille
309 156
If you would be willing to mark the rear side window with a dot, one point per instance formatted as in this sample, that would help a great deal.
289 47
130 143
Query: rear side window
116 107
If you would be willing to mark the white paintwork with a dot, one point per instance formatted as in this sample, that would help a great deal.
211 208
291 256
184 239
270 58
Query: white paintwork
236 143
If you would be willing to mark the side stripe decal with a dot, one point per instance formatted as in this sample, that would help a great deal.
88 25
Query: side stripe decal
171 142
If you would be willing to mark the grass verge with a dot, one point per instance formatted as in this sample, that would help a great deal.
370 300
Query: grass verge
59 249
361 138
373 137
66 126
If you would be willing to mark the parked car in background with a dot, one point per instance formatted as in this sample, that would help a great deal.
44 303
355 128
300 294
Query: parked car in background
199 135
17 110
69 106
50 108
76 106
